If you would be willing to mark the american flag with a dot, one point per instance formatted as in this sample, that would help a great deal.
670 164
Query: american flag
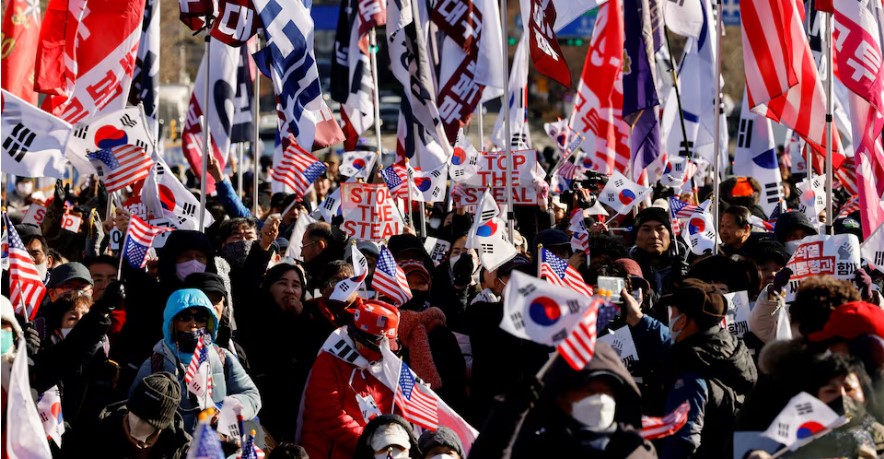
559 272
654 428
679 209
205 444
849 207
121 166
846 176
139 239
298 169
417 406
26 289
579 347
389 279
249 450
200 358
396 178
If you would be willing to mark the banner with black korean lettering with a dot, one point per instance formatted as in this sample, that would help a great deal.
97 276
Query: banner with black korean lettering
737 318
823 255
492 171
369 211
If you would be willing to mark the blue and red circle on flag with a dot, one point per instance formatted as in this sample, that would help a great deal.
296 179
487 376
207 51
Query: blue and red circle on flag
107 137
459 157
626 197
809 429
488 229
696 225
544 311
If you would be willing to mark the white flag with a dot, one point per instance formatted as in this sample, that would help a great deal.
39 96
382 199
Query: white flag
357 164
25 438
756 156
701 230
621 194
516 102
537 310
464 160
330 206
804 417
49 407
812 199
345 287
873 249
33 140
488 235
166 197
429 186
126 126
684 18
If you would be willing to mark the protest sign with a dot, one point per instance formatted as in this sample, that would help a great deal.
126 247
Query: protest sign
823 255
71 223
35 215
737 318
492 171
437 248
369 212
622 343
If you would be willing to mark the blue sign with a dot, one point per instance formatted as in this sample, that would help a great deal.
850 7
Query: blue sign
730 12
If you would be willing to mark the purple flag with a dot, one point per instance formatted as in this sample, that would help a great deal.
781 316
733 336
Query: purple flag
639 91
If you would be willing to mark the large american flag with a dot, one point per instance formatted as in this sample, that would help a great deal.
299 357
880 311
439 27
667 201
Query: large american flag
417 406
654 428
559 272
121 166
26 289
298 169
139 239
200 358
579 347
396 178
389 279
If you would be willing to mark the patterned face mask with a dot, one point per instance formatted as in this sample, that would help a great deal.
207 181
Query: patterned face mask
236 252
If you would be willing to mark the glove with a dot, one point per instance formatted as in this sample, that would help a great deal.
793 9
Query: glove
680 268
114 296
780 280
863 283
463 270
59 194
32 339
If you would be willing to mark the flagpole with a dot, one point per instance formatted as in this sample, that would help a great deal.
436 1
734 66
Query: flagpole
410 178
376 95
481 109
510 215
830 218
207 142
716 147
684 131
256 142
240 149
123 252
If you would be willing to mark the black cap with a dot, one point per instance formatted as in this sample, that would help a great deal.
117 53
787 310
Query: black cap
655 214
790 221
26 231
155 399
207 282
68 272
551 237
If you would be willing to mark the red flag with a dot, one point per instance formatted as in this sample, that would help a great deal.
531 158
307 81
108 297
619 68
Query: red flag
236 22
57 35
598 110
781 76
21 30
193 12
654 428
545 51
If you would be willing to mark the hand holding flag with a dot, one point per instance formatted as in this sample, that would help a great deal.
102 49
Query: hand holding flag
389 279
139 238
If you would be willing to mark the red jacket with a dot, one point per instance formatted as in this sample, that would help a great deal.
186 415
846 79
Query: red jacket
332 418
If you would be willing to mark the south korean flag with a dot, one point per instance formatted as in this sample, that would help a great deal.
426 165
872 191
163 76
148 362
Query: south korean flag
33 140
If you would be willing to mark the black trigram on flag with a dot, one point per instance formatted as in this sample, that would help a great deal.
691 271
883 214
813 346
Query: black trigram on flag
127 121
772 191
804 408
141 144
329 204
488 214
19 142
744 138
81 132
879 258
188 209
487 248
518 322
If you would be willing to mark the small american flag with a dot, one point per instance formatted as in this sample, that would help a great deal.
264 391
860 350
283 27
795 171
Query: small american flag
579 347
389 279
849 207
417 406
200 358
559 272
205 444
654 428
249 450
298 169
26 289
396 178
121 166
139 239
679 209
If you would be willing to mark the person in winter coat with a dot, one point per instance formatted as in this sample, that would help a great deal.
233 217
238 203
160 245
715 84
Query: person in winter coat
342 393
708 367
660 255
147 425
594 412
387 436
188 315
442 443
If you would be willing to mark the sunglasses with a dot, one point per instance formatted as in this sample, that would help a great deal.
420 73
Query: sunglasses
187 316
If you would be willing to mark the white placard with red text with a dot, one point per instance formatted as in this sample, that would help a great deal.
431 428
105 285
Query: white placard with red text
823 255
369 212
492 171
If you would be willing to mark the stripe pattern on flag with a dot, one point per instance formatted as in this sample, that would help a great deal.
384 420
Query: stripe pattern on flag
26 289
389 279
416 405
139 240
298 169
200 357
559 272
654 428
396 178
121 166
579 347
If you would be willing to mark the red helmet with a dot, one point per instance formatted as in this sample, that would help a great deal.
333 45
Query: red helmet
376 318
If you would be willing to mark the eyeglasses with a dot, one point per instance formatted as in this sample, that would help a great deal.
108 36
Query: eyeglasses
308 244
187 316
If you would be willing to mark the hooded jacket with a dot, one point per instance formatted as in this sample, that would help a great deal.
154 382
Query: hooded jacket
228 376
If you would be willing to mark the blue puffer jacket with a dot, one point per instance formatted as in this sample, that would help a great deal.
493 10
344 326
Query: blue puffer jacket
229 379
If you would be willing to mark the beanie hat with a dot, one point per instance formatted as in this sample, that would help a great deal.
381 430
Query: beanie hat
655 214
443 436
155 399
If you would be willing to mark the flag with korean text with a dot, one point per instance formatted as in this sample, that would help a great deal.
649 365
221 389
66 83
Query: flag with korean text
198 377
21 33
389 279
781 77
598 106
139 239
298 169
121 166
33 141
858 56
756 156
289 62
26 289
622 194
128 126
578 347
98 59
559 272
193 12
235 22
488 234
654 428
545 51
804 417
541 311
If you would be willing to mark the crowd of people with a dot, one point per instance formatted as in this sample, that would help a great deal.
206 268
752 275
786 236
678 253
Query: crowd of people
117 341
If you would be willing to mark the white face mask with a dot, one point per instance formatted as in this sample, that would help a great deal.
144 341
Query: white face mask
65 331
672 321
24 189
441 456
42 268
139 429
792 246
182 270
453 260
596 412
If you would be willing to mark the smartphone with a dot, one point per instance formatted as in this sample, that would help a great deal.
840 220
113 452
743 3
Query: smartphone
614 285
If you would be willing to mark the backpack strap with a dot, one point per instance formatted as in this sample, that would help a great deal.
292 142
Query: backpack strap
156 362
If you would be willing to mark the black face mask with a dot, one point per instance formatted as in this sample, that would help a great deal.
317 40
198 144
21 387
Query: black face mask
417 302
847 406
186 341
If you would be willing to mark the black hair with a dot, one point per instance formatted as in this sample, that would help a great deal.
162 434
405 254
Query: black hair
228 226
741 215
101 259
288 450
331 269
320 230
